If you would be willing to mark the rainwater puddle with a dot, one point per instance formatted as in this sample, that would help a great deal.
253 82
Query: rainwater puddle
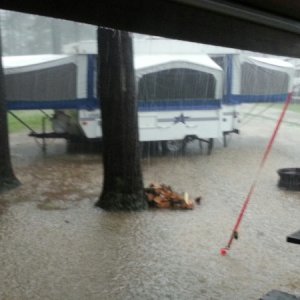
54 244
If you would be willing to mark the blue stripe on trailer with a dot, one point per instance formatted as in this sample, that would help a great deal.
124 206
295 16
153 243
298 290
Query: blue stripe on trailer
144 106
275 98
88 104
171 105
92 103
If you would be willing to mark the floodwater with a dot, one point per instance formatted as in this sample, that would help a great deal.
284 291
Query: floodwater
54 244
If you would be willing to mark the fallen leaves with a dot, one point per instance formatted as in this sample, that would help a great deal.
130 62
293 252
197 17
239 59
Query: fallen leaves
163 196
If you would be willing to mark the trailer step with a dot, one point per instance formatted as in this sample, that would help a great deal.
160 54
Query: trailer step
50 135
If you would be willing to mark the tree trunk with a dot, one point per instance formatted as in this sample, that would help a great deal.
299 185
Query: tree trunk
123 183
7 177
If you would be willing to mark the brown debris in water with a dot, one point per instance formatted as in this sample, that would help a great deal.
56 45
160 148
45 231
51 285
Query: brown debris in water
162 196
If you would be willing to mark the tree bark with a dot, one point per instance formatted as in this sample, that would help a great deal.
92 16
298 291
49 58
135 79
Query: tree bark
7 177
123 183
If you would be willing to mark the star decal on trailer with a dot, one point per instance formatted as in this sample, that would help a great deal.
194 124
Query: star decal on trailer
180 119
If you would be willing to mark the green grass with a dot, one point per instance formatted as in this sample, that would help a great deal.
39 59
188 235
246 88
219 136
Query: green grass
295 107
32 117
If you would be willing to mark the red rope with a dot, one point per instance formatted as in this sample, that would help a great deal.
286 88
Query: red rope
234 233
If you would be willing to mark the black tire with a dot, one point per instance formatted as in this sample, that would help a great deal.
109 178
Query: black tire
172 146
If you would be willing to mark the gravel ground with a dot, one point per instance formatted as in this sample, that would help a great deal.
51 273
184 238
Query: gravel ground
55 245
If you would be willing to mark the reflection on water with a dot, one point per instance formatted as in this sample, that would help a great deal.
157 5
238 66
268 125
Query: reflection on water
54 244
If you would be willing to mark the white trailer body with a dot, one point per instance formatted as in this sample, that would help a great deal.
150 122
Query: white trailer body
68 82
253 79
206 109
171 118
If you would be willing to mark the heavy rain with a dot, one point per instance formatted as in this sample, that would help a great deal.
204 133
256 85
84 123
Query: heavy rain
54 242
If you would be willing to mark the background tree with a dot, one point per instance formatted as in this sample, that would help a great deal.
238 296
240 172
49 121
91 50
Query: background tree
123 183
26 34
7 177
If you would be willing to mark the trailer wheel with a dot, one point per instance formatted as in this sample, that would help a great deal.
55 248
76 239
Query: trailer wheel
172 146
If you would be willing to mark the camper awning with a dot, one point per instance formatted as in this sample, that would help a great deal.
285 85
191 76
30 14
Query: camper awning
198 61
270 63
28 63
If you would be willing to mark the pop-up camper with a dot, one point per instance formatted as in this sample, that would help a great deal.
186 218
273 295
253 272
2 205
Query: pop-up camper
49 81
179 97
260 79
252 79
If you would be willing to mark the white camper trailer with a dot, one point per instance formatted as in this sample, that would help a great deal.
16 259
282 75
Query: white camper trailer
251 79
182 94
230 115
260 79
49 81
179 96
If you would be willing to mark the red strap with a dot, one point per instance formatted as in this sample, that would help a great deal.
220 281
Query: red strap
269 147
262 163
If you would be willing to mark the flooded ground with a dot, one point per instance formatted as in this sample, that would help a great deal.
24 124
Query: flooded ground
54 244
